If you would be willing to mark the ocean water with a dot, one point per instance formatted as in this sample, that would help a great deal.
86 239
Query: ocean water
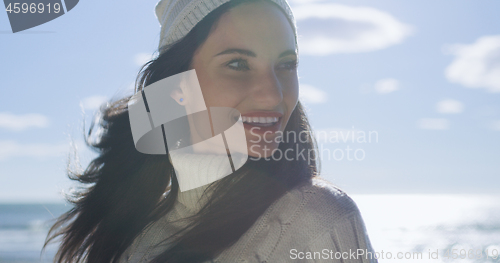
418 228
433 228
23 229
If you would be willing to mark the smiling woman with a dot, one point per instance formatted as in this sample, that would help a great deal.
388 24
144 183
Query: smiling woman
249 63
245 56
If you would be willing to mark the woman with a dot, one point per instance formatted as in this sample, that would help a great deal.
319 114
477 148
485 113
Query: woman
271 209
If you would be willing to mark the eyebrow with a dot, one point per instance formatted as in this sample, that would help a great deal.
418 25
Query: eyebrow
239 51
288 52
250 53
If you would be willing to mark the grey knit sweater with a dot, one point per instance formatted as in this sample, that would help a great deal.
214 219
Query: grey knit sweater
316 222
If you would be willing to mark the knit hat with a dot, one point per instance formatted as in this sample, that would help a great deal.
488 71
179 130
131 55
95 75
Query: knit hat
178 17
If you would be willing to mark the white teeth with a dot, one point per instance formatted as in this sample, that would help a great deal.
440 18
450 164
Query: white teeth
259 119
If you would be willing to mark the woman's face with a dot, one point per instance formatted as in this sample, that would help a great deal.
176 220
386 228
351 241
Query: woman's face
249 62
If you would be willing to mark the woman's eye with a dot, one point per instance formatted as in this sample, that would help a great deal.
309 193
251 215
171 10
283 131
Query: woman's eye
238 64
290 65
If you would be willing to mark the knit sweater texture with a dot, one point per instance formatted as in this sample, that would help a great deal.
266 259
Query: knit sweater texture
315 222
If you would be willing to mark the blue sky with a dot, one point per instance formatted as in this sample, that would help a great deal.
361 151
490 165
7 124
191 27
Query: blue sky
423 75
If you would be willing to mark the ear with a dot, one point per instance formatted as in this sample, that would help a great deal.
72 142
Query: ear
178 96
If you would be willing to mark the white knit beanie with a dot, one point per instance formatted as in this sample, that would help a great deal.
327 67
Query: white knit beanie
178 17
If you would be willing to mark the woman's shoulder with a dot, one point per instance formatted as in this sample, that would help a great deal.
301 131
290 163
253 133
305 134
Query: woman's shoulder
325 193
314 216
325 201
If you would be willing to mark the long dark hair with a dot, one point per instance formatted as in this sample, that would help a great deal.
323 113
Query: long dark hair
124 190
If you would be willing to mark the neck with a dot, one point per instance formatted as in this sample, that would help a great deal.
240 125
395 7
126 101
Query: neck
195 172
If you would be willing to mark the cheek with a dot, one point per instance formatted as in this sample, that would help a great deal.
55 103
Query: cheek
291 95
222 92
216 90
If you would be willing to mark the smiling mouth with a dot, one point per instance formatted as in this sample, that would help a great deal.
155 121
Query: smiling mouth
260 121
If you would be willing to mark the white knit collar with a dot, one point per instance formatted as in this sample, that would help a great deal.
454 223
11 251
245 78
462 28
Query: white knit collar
197 171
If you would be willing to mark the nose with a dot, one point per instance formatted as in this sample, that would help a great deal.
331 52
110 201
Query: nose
267 92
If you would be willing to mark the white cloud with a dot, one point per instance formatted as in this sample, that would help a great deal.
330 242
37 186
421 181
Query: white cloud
387 85
476 65
93 102
142 58
9 149
22 122
326 28
433 124
450 106
311 95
